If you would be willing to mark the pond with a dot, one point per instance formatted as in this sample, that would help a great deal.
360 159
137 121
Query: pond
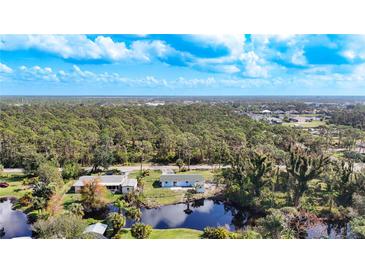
203 213
14 222
197 215
200 214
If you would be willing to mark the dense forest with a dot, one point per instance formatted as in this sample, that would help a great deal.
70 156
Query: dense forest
93 135
354 118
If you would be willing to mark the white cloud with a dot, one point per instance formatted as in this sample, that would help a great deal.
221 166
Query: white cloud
254 65
80 47
298 58
235 43
5 69
37 73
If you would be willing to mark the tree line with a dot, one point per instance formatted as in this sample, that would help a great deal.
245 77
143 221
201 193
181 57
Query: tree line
99 136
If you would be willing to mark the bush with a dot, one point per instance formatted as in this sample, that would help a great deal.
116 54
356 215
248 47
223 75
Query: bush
358 227
141 231
145 172
250 234
216 233
183 169
26 200
77 209
61 227
274 226
49 174
71 170
356 156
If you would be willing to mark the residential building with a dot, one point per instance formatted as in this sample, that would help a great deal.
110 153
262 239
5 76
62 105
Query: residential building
115 183
183 180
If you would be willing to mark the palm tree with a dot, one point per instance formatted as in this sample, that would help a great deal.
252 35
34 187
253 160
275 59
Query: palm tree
121 205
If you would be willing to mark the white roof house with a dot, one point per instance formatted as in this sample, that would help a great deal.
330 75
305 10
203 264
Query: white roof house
115 183
98 228
183 180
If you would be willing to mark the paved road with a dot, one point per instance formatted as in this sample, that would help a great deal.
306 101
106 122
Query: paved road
134 168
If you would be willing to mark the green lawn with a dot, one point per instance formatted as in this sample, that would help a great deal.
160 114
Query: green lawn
174 233
16 188
153 194
207 174
311 124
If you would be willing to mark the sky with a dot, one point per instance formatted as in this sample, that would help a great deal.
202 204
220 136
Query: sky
182 65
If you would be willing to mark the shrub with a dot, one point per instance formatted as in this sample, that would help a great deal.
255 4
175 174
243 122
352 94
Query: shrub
274 225
77 209
145 172
141 231
26 200
358 227
250 234
61 227
71 170
183 169
49 174
216 233
356 156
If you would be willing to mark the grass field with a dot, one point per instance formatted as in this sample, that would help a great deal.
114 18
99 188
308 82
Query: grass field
153 194
174 233
207 174
312 124
16 188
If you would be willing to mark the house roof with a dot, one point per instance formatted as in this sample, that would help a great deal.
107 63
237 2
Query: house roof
181 177
110 180
96 228
130 182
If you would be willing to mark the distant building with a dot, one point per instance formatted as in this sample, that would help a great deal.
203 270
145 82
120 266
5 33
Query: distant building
266 111
155 104
115 183
183 180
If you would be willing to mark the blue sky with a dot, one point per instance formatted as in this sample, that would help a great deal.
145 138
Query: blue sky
182 64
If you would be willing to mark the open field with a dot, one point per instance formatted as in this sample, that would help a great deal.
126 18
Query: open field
16 188
207 174
174 233
153 194
312 124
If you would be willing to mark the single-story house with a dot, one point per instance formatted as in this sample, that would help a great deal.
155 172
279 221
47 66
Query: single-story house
98 228
183 180
115 183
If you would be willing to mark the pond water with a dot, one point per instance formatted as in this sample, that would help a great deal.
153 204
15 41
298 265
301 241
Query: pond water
203 213
199 215
14 222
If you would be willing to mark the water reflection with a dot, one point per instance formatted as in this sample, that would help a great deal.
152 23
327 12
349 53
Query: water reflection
14 222
329 231
200 214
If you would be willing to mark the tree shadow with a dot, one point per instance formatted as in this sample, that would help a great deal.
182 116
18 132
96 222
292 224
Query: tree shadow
156 184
